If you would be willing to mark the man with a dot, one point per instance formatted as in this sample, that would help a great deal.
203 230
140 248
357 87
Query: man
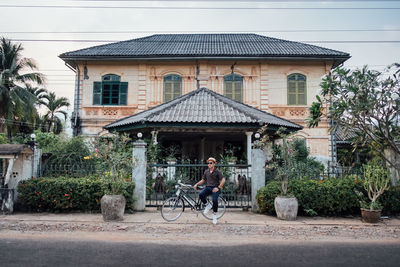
215 182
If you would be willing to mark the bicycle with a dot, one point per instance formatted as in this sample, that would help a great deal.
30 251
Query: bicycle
173 207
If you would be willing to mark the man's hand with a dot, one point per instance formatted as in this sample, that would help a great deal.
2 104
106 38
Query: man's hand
195 187
215 189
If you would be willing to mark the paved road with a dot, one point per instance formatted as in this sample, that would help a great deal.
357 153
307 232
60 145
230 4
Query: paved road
55 252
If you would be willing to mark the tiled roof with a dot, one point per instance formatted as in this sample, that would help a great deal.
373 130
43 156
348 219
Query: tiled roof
14 149
205 45
343 137
207 107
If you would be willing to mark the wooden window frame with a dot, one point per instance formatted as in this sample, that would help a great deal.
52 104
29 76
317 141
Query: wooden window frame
175 81
296 93
116 93
234 84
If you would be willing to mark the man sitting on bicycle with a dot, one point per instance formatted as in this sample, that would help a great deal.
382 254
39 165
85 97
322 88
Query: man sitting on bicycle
215 182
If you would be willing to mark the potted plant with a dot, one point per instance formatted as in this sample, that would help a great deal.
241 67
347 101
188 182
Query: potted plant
375 181
115 156
286 205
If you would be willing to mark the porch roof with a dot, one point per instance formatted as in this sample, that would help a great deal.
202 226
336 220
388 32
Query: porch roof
202 107
14 149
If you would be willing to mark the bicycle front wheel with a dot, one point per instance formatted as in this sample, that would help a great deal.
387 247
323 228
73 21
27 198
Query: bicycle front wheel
221 208
172 209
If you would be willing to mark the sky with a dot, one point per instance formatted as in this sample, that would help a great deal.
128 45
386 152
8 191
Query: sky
368 30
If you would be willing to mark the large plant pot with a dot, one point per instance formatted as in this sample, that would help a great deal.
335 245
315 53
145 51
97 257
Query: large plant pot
370 216
113 207
286 208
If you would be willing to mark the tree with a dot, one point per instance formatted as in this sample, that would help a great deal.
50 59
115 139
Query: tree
54 106
366 102
16 103
39 93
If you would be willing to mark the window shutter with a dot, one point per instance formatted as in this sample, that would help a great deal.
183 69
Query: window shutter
123 93
97 93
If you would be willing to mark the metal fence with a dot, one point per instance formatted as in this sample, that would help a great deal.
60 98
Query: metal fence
74 170
316 174
162 178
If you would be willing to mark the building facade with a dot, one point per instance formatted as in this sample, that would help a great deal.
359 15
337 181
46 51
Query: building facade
280 77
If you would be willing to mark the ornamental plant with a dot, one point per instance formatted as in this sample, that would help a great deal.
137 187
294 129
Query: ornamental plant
290 159
376 182
113 155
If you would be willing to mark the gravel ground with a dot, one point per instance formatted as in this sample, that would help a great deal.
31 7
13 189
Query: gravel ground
191 231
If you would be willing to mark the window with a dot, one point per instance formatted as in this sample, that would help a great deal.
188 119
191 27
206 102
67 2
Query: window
297 89
172 87
110 91
233 87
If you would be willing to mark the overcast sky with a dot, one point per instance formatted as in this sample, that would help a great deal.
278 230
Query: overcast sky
368 30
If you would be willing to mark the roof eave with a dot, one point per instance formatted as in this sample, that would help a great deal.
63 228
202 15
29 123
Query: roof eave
143 125
72 59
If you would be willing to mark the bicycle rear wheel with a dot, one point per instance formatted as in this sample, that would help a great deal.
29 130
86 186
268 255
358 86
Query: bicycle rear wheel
172 209
221 208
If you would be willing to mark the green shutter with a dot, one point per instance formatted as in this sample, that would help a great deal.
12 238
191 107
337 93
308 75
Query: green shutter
97 93
123 93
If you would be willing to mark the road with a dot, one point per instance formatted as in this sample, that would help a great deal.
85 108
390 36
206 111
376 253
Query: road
58 252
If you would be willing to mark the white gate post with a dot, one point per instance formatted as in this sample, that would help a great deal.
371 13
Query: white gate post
139 174
258 175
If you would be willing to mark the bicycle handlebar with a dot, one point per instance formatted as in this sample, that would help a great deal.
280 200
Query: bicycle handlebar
188 185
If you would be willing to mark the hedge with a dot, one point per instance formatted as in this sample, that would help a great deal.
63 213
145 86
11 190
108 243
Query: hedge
64 194
329 197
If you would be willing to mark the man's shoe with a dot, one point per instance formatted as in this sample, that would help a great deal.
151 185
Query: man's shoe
214 218
207 208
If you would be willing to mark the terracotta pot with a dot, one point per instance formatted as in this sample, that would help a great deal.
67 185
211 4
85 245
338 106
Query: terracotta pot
286 208
113 207
370 216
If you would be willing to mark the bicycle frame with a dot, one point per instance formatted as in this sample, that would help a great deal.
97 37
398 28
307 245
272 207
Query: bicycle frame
182 194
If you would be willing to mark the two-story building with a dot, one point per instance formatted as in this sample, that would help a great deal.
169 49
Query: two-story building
201 91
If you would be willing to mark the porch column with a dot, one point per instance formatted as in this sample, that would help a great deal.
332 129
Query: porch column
154 137
139 174
249 134
202 142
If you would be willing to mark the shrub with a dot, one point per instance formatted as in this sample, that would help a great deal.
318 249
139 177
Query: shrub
390 201
64 194
329 197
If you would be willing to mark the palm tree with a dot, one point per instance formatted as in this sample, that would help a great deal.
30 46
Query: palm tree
39 93
16 103
54 105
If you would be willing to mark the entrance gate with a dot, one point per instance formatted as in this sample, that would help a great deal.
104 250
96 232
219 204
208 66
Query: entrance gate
161 180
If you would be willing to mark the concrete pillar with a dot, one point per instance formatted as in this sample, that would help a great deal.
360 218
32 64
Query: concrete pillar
171 170
139 174
258 175
249 134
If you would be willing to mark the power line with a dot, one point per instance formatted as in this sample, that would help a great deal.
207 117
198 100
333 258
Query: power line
200 8
192 31
112 41
243 1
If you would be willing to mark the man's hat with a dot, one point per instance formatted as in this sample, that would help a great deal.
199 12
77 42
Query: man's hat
212 159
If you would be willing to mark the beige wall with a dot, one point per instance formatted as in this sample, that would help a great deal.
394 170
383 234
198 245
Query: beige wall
265 87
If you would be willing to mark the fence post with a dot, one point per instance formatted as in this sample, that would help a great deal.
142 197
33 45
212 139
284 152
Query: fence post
139 174
258 175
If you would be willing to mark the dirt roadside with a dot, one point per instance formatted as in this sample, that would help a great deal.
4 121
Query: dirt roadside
236 229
